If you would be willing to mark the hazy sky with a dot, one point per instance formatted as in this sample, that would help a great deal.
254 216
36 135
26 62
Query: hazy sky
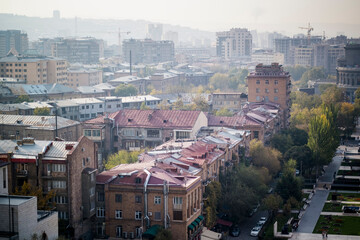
210 15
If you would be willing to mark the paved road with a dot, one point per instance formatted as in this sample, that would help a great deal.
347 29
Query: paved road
247 225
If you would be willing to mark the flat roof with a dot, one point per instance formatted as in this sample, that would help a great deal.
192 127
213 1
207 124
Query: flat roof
14 200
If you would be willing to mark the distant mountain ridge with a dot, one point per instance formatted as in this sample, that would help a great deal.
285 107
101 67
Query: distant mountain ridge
106 29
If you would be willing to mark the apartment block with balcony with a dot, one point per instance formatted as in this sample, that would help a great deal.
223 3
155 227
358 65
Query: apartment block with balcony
232 101
270 83
78 77
141 197
234 44
68 168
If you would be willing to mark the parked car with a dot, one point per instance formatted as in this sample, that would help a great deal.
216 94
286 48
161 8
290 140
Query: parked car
255 231
262 220
235 231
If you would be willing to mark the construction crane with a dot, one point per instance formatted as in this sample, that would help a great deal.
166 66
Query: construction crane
119 36
309 29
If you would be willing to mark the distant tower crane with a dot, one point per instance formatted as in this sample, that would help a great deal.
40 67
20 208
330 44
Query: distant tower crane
309 29
119 36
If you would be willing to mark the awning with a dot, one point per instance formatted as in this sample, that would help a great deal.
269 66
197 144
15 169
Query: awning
201 217
224 222
191 227
195 223
197 220
151 232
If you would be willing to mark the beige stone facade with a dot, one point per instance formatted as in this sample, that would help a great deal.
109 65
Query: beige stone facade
83 77
35 70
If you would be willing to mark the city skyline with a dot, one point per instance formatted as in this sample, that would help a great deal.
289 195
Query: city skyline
279 15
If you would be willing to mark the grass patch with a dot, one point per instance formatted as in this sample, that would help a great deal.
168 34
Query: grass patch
348 197
269 228
338 225
336 207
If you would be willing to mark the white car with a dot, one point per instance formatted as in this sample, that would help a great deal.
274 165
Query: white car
255 231
262 220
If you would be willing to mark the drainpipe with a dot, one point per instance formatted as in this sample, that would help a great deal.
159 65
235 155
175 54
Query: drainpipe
166 192
146 218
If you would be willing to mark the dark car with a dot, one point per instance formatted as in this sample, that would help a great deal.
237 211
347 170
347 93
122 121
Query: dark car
235 231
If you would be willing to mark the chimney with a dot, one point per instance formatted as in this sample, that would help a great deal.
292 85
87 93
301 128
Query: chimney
69 146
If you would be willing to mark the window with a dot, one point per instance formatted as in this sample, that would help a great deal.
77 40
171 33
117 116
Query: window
138 232
4 177
138 199
137 180
258 90
118 198
59 167
157 200
100 212
100 106
153 133
276 98
257 81
258 98
60 199
177 200
92 191
96 133
157 215
118 231
182 135
63 215
59 184
267 82
256 134
276 82
101 196
276 90
266 90
138 215
118 214
266 99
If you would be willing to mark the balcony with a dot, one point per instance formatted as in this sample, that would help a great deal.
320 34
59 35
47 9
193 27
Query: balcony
22 173
177 206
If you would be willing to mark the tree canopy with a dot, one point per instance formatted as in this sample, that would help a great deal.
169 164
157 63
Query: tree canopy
125 90
43 111
121 157
264 156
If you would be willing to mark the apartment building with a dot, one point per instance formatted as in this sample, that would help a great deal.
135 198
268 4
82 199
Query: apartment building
79 50
25 219
77 77
234 44
68 168
163 81
148 51
39 127
4 186
34 69
134 129
267 57
232 101
138 82
270 83
304 55
140 197
13 39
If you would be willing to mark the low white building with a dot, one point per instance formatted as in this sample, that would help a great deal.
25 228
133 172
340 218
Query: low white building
20 219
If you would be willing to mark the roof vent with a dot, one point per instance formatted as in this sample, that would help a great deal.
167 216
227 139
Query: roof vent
221 121
129 120
165 121
69 146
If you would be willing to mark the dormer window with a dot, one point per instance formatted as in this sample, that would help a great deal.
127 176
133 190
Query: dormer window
137 180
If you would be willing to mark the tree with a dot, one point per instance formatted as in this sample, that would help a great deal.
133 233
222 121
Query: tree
144 107
282 142
178 105
305 100
346 118
219 81
303 157
125 90
298 136
200 104
332 96
43 111
213 194
23 98
272 203
224 112
321 140
122 157
296 71
312 74
164 105
42 199
264 156
289 185
163 234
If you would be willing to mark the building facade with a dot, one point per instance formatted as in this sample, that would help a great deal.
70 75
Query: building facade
236 43
270 83
77 77
13 39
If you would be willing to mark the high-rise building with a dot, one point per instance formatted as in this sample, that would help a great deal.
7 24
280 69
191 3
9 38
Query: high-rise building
148 51
155 31
270 83
172 36
13 39
33 69
236 43
79 50
348 70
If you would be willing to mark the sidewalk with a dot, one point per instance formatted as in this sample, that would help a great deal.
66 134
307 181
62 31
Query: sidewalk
309 236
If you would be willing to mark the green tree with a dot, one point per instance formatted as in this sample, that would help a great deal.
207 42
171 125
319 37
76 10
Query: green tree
333 96
321 140
346 118
219 81
264 156
42 199
282 142
43 111
178 105
272 203
296 72
224 112
303 156
305 100
212 194
122 157
125 90
289 185
144 107
23 98
312 74
200 104
163 234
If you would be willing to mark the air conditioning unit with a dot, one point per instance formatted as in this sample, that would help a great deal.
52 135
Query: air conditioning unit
194 209
49 172
131 235
149 214
125 235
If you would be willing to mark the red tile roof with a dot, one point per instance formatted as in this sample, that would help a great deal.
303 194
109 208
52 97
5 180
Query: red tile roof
231 122
152 118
